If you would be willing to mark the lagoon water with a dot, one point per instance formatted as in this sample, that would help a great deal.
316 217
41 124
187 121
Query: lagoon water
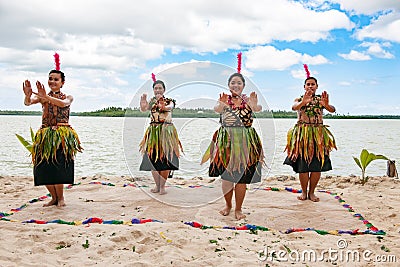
111 144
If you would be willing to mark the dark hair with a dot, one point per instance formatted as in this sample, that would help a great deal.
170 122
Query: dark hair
159 82
236 74
58 72
311 78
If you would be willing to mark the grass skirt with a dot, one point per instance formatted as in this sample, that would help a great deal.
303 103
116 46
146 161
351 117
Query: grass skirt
53 153
308 148
160 148
235 154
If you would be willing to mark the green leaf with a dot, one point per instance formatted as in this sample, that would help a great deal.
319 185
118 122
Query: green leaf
384 248
372 157
358 162
381 157
369 159
86 245
24 142
363 157
32 135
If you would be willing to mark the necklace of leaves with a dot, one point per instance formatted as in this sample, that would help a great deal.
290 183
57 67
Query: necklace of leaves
313 109
242 104
154 103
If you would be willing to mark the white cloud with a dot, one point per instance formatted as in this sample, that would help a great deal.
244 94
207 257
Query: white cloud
316 4
106 52
376 50
375 109
198 26
314 60
106 45
298 74
270 58
364 83
301 74
386 27
373 49
369 7
345 83
355 55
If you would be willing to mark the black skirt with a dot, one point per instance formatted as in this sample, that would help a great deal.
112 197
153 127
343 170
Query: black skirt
60 171
163 164
301 166
248 176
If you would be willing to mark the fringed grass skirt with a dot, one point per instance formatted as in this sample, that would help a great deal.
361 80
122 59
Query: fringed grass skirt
160 148
235 154
308 148
53 153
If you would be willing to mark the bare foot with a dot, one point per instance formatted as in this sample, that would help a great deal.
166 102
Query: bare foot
313 197
61 203
50 203
225 211
162 191
155 190
303 196
239 215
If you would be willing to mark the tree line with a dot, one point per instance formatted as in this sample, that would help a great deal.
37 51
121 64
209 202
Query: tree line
193 113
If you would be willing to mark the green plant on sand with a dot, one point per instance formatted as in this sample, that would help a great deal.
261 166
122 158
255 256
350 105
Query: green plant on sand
365 159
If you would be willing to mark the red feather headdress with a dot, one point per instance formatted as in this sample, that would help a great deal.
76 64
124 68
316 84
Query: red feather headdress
307 71
57 61
239 65
153 77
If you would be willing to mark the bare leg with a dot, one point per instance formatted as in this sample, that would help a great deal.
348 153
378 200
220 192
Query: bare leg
314 179
240 193
52 191
163 179
156 177
60 195
227 190
304 177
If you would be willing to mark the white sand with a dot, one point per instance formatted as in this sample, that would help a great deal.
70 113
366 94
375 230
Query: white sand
173 243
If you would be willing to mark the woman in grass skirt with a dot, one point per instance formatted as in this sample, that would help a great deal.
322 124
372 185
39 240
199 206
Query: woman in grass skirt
56 143
160 145
236 152
310 142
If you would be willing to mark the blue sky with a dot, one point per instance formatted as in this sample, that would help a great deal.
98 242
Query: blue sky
109 49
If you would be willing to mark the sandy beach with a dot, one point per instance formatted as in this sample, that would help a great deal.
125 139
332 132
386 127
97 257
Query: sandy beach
117 221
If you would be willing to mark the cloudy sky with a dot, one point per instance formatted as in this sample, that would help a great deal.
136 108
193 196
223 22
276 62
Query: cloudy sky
109 49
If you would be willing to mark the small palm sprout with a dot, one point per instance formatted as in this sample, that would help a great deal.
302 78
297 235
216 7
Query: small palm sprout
365 159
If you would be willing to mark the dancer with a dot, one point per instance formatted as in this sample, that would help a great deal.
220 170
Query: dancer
235 152
309 142
160 145
56 142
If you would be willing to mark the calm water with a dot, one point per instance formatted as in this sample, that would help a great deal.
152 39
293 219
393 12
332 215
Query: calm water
111 144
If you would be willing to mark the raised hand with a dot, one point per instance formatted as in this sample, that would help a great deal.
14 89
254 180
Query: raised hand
41 90
324 99
143 99
222 103
308 97
223 98
27 88
144 105
253 98
253 102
